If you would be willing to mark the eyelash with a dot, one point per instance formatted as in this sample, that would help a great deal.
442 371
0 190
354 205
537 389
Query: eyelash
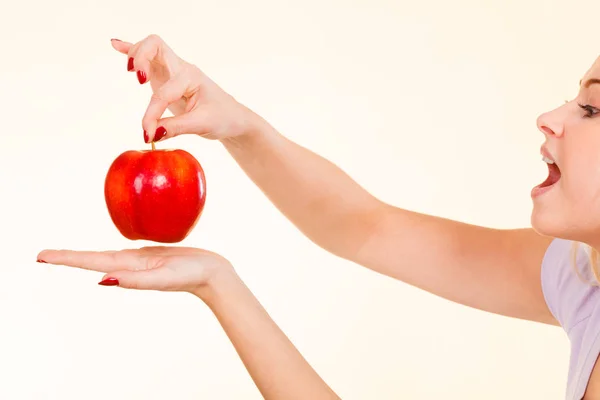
589 110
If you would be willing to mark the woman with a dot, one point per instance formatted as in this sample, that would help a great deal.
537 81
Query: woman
521 273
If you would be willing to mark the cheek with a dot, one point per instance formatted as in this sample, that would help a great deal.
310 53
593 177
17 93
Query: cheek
581 178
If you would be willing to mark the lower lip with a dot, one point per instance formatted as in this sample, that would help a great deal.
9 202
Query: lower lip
538 191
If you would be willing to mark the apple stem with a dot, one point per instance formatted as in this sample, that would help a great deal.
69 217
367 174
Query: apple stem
153 146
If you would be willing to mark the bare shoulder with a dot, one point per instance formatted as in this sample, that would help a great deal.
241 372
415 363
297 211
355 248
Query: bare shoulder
496 270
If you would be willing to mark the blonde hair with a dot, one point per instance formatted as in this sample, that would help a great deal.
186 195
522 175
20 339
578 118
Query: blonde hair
594 260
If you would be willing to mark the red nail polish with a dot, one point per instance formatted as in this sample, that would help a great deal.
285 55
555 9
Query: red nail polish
109 282
141 75
130 64
160 133
42 261
146 138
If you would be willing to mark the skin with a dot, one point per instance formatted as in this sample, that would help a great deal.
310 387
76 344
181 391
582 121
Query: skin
571 209
472 265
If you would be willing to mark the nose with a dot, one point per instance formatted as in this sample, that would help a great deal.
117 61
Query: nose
551 123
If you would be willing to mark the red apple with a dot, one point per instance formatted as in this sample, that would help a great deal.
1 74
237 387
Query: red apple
155 195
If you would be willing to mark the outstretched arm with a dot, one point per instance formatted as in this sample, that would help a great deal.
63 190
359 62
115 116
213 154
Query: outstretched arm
318 197
275 365
489 269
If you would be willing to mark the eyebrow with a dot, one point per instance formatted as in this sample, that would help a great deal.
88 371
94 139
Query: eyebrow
590 82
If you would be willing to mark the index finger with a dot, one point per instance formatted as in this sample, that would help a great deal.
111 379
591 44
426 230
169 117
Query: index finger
121 46
173 90
101 261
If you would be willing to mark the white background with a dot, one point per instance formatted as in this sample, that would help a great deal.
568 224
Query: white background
429 105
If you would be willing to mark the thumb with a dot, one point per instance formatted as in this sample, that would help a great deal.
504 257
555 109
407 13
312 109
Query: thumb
189 123
141 280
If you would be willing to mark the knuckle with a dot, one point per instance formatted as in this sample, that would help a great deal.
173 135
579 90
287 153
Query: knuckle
159 96
191 79
154 38
148 124
132 285
149 117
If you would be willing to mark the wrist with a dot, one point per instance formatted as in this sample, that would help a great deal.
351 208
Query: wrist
252 129
223 281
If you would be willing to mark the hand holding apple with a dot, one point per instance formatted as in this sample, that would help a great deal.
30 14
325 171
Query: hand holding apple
198 104
155 195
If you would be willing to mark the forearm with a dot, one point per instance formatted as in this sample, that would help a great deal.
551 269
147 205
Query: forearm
320 199
275 365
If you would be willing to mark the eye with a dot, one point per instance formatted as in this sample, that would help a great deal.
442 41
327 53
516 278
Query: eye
589 110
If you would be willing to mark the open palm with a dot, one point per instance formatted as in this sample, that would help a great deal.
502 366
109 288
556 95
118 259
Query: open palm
183 269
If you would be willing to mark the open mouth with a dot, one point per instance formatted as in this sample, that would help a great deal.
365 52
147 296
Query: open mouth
553 173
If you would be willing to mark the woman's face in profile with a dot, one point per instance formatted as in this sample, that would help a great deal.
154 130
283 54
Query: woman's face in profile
570 207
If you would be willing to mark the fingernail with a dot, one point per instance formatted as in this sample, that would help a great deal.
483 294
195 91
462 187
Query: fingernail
130 64
42 261
146 138
109 282
118 40
141 76
160 133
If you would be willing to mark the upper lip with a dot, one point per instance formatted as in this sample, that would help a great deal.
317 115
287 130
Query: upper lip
546 153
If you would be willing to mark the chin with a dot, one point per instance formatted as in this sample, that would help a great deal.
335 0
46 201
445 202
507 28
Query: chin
549 224
542 226
552 224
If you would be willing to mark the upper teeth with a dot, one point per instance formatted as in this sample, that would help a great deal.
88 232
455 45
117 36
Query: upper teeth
547 160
